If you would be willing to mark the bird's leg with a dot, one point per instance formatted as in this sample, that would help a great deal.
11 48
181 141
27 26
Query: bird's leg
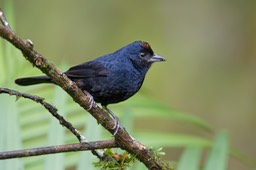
91 101
117 125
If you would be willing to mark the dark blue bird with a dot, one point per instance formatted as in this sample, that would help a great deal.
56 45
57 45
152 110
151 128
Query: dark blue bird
111 78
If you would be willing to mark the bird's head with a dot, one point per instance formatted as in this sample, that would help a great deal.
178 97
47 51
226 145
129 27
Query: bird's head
141 54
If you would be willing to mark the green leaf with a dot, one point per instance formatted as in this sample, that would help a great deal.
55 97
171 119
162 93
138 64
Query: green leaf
93 133
217 158
190 159
142 106
243 158
9 133
160 139
56 133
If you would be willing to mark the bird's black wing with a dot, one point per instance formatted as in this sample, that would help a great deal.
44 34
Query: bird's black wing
87 70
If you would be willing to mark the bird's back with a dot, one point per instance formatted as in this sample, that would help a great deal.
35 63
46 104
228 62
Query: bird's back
109 81
111 78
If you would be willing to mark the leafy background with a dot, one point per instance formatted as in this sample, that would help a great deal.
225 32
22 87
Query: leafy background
209 78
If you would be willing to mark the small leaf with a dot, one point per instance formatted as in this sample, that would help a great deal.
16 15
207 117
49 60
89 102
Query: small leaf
17 98
190 159
156 139
217 158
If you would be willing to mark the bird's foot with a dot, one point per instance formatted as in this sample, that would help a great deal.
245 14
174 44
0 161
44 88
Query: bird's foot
117 124
92 103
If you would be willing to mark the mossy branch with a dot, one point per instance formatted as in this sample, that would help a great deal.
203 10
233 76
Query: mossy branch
122 138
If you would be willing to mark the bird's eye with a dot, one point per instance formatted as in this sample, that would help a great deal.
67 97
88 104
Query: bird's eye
142 55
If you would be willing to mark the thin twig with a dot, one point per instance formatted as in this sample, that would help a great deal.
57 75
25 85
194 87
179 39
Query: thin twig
58 149
54 113
49 107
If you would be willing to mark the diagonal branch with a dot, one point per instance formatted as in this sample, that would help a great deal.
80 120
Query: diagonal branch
54 113
123 139
49 107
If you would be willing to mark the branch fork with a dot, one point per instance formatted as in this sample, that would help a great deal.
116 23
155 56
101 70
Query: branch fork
121 139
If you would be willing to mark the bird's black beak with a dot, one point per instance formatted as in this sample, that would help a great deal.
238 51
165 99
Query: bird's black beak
156 58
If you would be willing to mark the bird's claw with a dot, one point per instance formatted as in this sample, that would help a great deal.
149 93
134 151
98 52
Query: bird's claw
117 124
92 103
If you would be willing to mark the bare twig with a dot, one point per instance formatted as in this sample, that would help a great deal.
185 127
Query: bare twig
49 107
123 139
54 113
58 149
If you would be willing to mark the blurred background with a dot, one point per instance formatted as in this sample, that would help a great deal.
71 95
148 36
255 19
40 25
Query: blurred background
210 47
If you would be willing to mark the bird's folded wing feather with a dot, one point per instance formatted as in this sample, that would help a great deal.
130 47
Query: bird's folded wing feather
87 70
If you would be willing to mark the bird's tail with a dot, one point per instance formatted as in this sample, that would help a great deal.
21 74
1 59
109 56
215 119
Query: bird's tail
26 81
